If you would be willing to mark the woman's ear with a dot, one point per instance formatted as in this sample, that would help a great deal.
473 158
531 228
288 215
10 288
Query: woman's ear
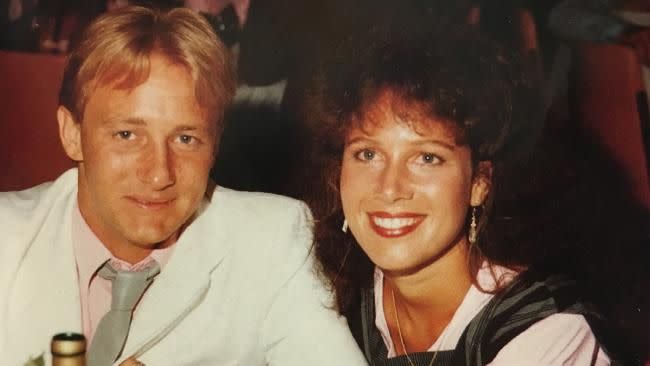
69 133
482 183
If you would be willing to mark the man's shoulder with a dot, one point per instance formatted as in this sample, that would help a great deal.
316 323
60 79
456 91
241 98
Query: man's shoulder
257 205
32 216
19 206
268 225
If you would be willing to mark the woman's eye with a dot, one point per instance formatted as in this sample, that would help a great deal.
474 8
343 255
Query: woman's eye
365 154
429 158
186 139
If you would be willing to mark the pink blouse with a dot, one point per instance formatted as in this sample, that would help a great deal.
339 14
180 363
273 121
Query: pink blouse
560 339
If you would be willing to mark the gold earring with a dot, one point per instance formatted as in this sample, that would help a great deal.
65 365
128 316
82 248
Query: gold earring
345 226
473 233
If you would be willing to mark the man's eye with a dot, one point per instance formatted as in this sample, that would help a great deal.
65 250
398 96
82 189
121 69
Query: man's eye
125 135
186 139
365 154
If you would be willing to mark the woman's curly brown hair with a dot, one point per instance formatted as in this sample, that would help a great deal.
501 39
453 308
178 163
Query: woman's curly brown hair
454 74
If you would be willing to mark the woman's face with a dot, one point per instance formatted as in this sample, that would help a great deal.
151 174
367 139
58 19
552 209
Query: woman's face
406 186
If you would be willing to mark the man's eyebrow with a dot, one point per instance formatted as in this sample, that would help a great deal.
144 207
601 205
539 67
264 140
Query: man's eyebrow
186 128
134 121
182 128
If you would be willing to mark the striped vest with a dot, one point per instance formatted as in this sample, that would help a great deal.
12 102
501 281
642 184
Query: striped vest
528 299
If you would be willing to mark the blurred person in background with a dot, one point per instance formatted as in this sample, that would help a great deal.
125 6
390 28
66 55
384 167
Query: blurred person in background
624 22
116 4
18 25
216 7
620 21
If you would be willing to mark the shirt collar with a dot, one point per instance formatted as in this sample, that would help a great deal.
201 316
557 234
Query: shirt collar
90 253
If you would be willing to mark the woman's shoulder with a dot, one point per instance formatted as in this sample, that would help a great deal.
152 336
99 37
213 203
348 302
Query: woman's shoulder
560 338
539 318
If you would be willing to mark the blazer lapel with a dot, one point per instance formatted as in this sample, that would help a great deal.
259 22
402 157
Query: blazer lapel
182 283
45 296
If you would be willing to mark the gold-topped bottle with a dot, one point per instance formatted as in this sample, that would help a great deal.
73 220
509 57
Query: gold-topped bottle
68 349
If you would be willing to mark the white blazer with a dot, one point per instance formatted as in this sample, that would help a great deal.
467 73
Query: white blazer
239 288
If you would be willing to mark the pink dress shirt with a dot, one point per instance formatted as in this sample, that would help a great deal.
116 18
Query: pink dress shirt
90 254
560 339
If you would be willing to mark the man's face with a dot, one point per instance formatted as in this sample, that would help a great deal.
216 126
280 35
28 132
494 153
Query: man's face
144 159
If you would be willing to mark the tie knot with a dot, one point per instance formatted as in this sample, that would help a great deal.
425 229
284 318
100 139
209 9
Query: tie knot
128 286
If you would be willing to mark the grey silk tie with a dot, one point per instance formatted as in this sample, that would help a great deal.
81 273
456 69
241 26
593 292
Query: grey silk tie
110 336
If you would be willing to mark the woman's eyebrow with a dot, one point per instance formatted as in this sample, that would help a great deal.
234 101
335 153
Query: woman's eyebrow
358 139
368 139
437 142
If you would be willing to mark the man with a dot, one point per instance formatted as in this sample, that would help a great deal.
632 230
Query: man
139 108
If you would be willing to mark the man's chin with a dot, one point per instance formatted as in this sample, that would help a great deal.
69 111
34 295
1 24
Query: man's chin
150 240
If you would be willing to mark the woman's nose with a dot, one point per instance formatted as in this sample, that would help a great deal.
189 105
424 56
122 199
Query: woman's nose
393 183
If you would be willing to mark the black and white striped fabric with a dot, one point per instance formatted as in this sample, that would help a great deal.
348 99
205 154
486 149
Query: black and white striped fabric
528 299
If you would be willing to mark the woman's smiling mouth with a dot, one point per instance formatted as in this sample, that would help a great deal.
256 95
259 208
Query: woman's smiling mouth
394 225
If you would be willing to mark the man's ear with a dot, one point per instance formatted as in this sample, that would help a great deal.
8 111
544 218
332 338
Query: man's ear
69 133
482 183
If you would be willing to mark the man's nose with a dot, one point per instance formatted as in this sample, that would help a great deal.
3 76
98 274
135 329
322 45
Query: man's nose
156 166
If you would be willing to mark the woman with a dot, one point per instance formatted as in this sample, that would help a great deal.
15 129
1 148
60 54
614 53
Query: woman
409 139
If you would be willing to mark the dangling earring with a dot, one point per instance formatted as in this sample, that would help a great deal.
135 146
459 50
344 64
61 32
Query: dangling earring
345 226
473 233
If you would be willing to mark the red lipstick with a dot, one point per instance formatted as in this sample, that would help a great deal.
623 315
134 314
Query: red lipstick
394 225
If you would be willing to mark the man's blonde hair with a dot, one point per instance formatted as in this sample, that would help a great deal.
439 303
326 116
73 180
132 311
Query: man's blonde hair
116 49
